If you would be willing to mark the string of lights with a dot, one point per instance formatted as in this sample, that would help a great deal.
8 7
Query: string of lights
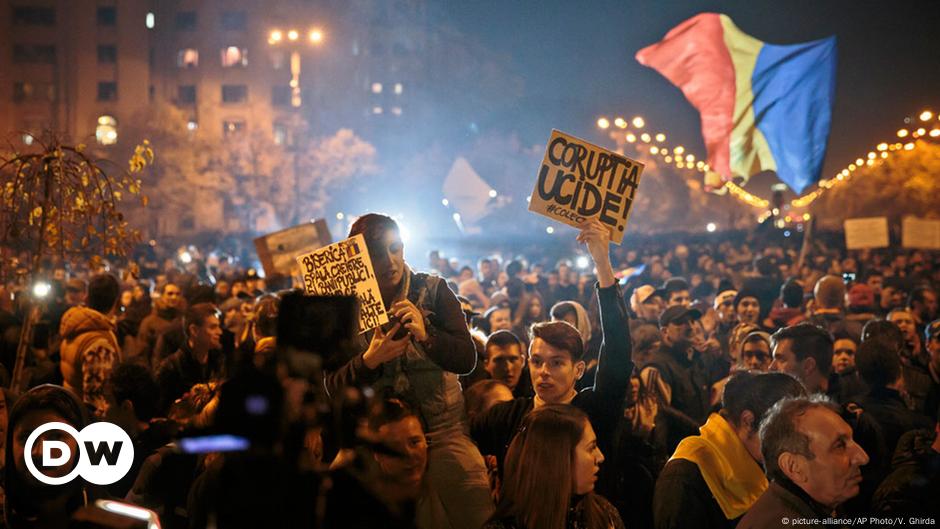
678 157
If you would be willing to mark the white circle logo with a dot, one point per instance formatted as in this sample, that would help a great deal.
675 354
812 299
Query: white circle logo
106 453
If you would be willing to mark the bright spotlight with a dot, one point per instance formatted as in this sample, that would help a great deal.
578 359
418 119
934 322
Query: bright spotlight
549 230
339 216
582 262
445 202
186 257
493 193
41 289
711 227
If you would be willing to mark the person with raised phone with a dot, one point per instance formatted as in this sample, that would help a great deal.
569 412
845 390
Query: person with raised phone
417 360
556 363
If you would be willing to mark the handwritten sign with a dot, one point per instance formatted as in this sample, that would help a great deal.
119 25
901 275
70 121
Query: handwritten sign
869 232
345 269
920 233
580 181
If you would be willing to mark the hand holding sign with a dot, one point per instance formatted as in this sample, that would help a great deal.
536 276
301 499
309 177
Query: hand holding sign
594 236
384 347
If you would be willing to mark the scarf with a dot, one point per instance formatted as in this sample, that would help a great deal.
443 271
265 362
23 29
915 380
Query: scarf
733 477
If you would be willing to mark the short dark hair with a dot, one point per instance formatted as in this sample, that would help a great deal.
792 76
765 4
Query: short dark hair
513 268
756 392
134 382
373 227
503 338
877 363
791 293
198 314
561 335
388 411
808 341
918 295
675 284
103 292
884 330
779 432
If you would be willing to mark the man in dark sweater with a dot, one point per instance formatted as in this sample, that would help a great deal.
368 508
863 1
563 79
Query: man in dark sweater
556 363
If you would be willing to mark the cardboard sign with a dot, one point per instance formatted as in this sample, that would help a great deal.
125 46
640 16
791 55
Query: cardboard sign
580 181
870 232
920 233
278 251
345 269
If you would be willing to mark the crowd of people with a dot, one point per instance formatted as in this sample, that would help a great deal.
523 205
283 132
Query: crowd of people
706 382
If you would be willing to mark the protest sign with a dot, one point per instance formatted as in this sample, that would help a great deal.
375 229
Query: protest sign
345 269
869 232
580 181
920 233
277 251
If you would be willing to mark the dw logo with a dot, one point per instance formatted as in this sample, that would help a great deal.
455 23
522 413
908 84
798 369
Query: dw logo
106 453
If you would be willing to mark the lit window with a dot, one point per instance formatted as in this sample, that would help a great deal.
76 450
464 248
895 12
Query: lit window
281 134
376 88
150 21
234 56
396 111
376 110
187 58
399 88
106 131
233 127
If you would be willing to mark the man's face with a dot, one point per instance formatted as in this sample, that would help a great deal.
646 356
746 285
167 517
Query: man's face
725 310
388 258
651 308
504 363
208 335
748 310
834 473
933 347
755 355
74 298
679 297
678 334
843 355
563 271
500 320
875 283
486 270
553 371
173 295
407 438
222 289
905 321
785 360
890 297
927 310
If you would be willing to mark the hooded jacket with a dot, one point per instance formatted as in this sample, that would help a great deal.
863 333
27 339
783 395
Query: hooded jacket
89 351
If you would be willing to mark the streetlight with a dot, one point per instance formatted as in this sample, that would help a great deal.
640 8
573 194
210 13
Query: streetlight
315 37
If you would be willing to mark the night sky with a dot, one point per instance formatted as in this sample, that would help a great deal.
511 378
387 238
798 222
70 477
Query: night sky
577 61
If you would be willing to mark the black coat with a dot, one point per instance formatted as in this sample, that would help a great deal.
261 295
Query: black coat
683 499
913 487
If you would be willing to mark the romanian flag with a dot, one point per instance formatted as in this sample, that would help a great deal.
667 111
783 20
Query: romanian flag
764 107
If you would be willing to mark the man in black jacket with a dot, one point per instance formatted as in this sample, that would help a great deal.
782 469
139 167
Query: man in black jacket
677 374
556 363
